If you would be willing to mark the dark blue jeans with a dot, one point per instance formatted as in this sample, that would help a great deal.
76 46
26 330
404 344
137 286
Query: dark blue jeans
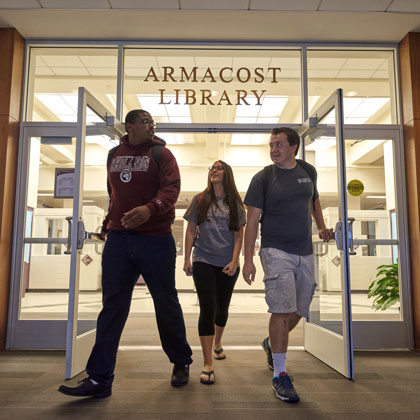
127 255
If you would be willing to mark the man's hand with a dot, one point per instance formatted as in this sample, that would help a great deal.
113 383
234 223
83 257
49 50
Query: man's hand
230 269
188 268
135 217
103 234
248 272
325 234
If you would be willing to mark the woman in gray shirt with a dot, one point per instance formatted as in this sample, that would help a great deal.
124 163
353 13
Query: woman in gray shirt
216 218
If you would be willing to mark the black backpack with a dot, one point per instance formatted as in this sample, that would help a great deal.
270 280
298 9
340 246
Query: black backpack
268 175
156 153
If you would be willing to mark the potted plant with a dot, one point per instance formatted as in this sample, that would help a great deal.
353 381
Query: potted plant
385 289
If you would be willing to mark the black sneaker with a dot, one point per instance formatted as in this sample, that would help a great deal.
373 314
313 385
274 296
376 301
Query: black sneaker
284 389
85 388
180 375
266 346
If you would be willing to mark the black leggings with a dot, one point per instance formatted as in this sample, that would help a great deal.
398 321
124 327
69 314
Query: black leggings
214 289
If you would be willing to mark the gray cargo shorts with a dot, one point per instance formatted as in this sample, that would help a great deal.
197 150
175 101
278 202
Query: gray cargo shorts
289 281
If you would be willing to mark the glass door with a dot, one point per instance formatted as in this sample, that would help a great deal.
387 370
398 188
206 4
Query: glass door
328 329
47 182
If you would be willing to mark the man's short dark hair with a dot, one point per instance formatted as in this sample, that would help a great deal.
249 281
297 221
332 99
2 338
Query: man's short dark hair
292 136
132 116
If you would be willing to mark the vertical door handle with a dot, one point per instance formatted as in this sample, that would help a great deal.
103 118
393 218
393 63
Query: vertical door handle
350 236
68 244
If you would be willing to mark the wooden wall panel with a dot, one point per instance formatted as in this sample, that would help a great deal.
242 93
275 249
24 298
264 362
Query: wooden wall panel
410 91
11 78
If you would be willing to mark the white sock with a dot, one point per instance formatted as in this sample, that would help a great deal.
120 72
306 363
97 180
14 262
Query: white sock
94 382
279 363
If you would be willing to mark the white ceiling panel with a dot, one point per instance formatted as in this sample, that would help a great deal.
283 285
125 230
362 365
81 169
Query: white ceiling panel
251 62
104 71
214 4
354 5
69 71
75 4
284 5
322 74
43 71
380 74
355 74
213 62
99 61
19 4
285 63
326 63
62 60
139 61
363 63
145 4
406 6
176 62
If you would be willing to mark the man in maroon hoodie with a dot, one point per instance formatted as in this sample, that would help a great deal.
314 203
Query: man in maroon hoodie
144 184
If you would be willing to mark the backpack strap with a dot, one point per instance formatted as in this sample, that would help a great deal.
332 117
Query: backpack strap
268 175
156 155
308 169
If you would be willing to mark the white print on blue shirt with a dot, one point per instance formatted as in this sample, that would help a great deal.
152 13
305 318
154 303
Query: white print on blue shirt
304 180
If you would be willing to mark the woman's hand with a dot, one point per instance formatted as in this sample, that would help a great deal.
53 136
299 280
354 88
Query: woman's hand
188 268
231 268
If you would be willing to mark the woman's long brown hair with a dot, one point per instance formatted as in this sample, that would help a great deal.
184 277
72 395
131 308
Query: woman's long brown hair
232 199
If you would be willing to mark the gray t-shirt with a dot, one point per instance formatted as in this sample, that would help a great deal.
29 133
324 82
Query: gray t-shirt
286 222
215 242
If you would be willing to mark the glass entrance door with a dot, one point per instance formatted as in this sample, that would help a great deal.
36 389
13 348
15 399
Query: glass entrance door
378 276
43 235
328 336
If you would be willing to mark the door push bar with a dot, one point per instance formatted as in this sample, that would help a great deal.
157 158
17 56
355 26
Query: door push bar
338 234
82 236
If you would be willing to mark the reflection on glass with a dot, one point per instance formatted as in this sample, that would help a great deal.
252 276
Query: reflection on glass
56 75
367 80
371 164
214 85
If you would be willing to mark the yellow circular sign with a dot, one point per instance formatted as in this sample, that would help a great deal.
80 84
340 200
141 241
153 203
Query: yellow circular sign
355 187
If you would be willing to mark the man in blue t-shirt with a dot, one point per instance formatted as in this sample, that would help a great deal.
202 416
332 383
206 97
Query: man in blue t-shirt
283 197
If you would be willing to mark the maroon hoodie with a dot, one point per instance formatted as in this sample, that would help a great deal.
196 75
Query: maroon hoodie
136 180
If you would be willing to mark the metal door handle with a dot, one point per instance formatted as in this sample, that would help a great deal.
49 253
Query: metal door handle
350 236
68 244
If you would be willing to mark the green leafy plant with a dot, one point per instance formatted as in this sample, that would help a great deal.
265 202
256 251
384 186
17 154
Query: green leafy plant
385 289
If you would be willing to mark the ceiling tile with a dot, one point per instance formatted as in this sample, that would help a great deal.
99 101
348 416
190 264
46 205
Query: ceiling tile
144 4
284 5
354 5
75 4
69 71
355 74
363 63
104 71
214 4
100 61
62 60
322 74
407 6
326 63
19 4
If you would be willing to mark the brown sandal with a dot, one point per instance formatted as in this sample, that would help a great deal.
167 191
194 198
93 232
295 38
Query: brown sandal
218 354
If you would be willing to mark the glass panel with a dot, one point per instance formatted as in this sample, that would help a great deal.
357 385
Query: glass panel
371 201
214 85
326 307
366 77
55 74
94 208
45 277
